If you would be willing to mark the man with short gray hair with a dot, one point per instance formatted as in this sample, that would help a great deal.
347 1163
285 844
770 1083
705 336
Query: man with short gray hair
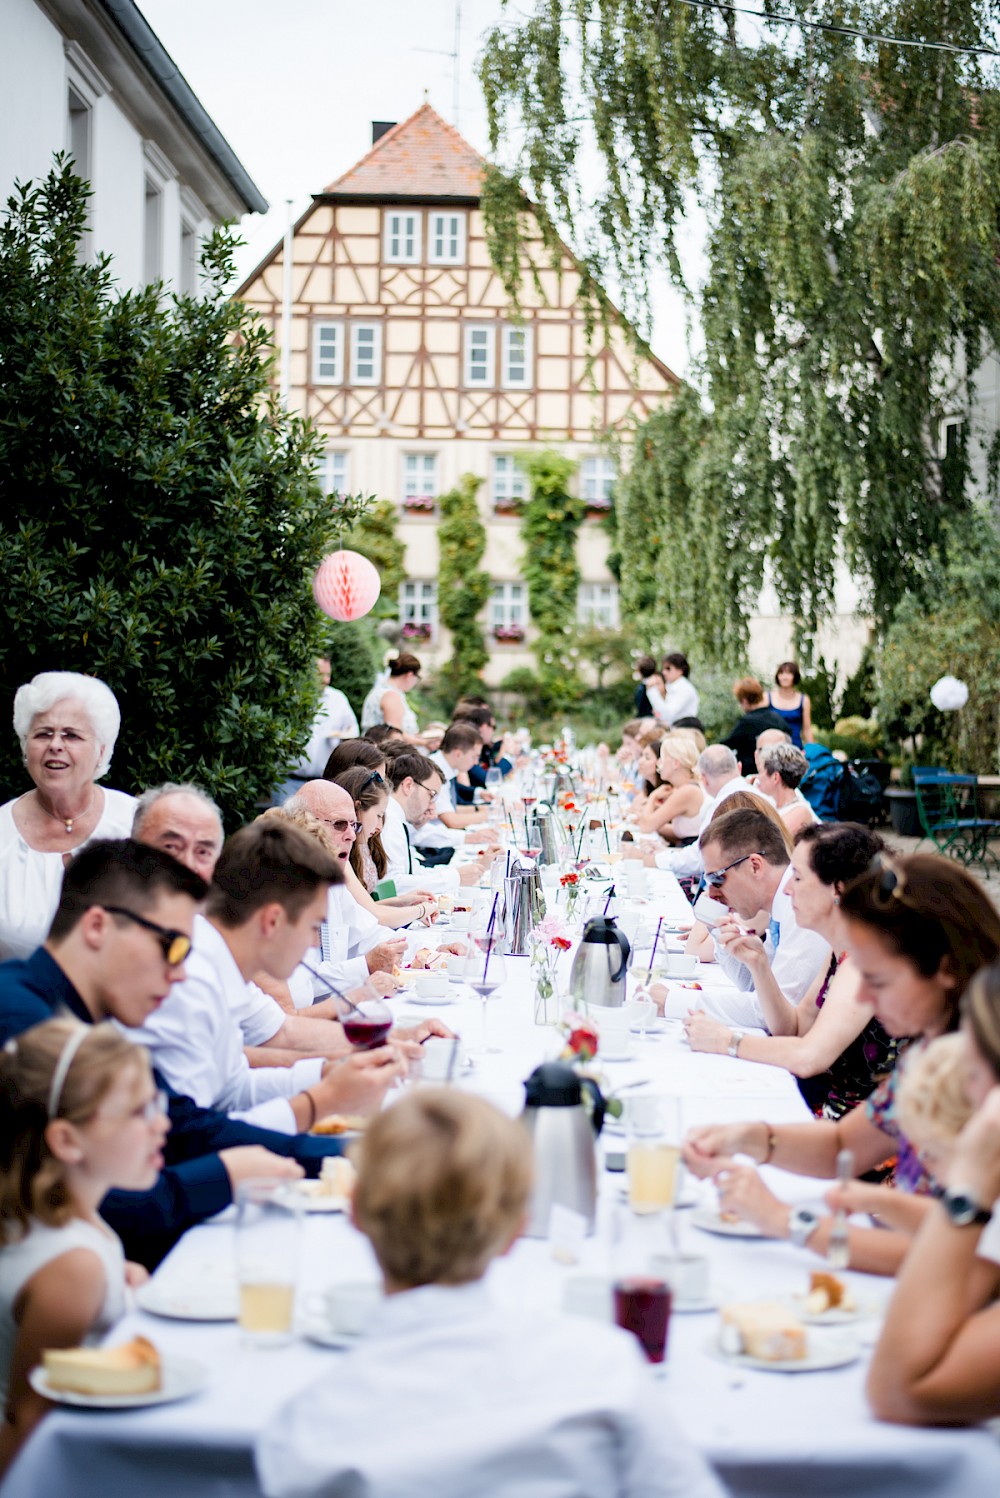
181 820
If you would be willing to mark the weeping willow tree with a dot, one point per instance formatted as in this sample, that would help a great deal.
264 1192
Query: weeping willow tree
852 190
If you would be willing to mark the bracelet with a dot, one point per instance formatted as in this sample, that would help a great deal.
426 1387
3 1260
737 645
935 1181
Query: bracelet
312 1110
771 1142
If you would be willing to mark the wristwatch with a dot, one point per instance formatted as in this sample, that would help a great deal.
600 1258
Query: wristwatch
802 1223
735 1036
963 1209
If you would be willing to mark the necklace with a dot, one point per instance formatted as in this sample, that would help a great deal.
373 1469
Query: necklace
58 816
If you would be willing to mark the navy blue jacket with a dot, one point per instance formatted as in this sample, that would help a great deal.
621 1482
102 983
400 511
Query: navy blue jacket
194 1184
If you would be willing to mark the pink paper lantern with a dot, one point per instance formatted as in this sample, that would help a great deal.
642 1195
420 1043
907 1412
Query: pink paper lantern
346 586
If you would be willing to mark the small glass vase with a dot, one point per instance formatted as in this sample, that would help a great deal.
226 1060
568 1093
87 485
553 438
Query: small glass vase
546 1000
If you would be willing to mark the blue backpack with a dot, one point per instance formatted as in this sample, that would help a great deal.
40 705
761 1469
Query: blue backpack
838 793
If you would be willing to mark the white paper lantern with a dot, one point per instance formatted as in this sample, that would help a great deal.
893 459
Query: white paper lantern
346 586
948 694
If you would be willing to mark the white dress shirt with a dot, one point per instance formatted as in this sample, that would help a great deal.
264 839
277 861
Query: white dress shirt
688 861
796 958
679 701
196 1041
449 1396
334 721
351 932
404 867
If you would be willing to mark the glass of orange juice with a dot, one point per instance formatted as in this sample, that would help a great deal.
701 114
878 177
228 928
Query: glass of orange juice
268 1230
653 1153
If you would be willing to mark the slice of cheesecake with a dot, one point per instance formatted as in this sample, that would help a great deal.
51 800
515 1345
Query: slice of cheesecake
763 1330
132 1368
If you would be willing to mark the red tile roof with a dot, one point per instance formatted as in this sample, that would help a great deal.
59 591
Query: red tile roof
422 157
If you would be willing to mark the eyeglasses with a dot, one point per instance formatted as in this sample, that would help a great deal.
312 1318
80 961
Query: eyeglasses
341 825
174 945
717 878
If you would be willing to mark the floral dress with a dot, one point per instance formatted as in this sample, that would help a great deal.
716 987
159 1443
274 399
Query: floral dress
910 1173
854 1074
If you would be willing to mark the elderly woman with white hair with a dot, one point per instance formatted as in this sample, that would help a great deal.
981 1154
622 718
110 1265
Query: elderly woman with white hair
67 724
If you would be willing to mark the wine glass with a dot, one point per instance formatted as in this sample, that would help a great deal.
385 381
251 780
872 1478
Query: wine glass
484 972
367 1019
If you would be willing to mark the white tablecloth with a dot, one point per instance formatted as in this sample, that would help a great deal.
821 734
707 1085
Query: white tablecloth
765 1433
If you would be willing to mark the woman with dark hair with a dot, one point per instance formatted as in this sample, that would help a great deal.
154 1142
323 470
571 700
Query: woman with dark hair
936 1362
386 702
791 704
916 930
839 1049
367 864
355 752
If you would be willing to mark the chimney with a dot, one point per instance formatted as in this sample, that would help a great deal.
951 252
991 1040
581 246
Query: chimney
380 128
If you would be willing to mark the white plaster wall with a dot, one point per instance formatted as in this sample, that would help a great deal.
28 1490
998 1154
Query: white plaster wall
33 91
119 192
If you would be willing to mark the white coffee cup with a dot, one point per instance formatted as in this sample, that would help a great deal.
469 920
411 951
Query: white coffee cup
639 1012
686 1274
348 1307
710 912
589 1295
460 920
455 965
439 1057
680 965
431 985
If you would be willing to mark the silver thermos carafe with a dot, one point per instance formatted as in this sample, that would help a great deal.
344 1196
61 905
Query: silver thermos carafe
562 1133
598 972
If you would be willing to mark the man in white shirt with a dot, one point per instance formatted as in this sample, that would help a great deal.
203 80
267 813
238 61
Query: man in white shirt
263 913
747 869
459 751
334 720
679 699
482 1398
415 782
720 775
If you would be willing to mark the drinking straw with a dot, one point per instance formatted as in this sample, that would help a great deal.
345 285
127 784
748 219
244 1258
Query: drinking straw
583 829
527 839
493 911
656 938
607 842
611 895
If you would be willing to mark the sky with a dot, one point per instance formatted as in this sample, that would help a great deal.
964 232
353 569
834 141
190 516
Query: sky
294 86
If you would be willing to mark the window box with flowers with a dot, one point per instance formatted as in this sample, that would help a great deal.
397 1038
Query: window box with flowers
598 507
413 630
508 634
508 504
419 504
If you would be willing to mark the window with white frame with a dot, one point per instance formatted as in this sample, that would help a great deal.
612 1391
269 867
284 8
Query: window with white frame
79 125
420 481
597 482
951 436
366 353
509 606
152 233
328 353
188 280
402 238
508 482
515 372
446 239
597 603
418 609
332 471
480 357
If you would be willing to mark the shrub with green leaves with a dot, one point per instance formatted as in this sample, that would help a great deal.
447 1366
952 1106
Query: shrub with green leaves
463 587
159 517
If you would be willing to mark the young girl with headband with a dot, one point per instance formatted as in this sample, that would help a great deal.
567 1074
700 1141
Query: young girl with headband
79 1115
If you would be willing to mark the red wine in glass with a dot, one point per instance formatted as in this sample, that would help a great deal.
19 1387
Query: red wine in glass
365 1032
642 1306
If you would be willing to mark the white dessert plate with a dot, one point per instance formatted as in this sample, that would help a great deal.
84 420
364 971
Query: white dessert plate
829 1350
836 1316
308 1196
708 1302
181 1377
189 1302
708 1219
429 1001
318 1331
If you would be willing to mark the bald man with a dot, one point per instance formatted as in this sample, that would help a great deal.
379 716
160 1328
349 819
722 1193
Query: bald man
355 950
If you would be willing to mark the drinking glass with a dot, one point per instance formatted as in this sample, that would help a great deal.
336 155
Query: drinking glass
642 1306
366 1018
484 972
653 1153
268 1229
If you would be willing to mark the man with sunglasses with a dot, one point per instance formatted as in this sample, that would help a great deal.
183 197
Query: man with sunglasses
116 950
747 868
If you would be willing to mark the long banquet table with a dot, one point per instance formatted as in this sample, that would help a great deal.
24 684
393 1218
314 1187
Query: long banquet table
764 1432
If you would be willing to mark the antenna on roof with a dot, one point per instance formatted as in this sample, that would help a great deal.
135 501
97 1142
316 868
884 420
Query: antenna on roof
455 55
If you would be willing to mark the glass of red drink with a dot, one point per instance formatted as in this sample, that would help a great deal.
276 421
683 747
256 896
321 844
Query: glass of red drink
642 1306
368 1019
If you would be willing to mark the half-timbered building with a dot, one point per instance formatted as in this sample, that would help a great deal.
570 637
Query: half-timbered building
405 349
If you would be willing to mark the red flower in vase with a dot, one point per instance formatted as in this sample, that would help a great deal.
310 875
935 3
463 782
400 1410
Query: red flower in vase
562 942
583 1042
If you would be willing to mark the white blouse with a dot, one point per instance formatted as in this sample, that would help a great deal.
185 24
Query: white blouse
23 1257
31 881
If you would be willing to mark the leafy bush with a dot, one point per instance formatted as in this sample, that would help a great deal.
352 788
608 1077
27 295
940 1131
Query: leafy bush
463 587
820 686
354 659
159 516
861 689
959 635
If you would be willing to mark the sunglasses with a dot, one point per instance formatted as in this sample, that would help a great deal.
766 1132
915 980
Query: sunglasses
373 779
341 825
717 879
174 945
890 884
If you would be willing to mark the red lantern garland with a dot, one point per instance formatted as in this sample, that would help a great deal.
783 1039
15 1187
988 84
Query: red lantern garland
346 586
